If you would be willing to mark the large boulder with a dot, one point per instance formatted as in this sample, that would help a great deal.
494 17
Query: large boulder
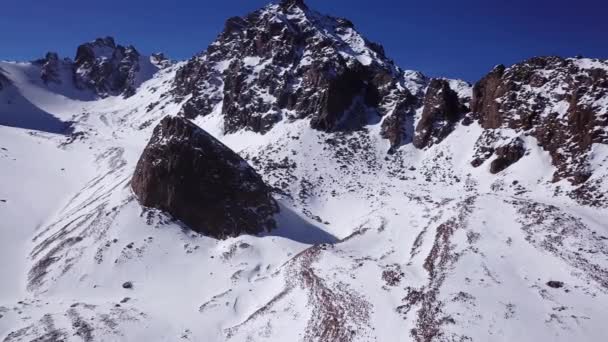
187 173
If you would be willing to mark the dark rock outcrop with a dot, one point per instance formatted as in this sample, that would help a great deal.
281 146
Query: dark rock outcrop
555 284
485 93
560 102
507 155
484 147
103 67
394 126
442 109
287 62
107 68
189 174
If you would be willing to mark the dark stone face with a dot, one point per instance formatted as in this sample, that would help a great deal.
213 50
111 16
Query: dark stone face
288 62
552 99
555 284
507 155
187 173
485 92
442 109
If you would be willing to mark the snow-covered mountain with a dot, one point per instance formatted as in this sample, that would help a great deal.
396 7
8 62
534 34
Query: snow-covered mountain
403 208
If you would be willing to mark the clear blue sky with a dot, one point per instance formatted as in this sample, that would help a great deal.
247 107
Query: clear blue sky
462 38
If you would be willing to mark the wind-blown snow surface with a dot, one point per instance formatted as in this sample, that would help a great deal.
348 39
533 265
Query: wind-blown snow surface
415 246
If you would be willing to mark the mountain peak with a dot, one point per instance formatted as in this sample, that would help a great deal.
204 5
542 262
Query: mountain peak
287 4
298 64
100 47
109 68
104 41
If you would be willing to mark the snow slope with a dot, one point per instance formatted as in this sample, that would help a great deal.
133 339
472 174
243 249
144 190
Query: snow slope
413 246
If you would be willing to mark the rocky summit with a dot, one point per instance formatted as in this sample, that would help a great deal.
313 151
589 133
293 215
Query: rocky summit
107 68
189 174
102 67
288 62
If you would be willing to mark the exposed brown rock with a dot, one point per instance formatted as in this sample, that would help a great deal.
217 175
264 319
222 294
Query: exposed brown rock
394 126
189 174
442 109
507 155
485 93
346 97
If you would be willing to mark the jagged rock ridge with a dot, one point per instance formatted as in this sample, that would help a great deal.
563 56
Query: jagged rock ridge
288 62
186 172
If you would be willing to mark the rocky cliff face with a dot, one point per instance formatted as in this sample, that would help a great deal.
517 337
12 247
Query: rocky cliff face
189 174
442 109
507 155
562 102
287 62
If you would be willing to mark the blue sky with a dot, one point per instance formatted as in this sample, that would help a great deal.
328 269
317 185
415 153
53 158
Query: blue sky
463 38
